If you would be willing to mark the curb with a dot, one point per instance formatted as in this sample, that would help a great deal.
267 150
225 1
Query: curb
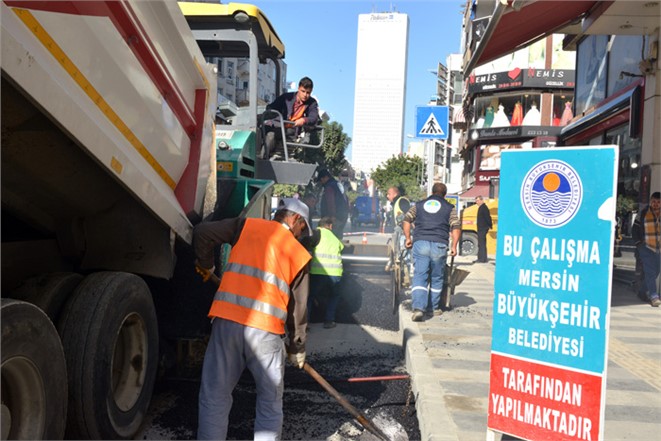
433 418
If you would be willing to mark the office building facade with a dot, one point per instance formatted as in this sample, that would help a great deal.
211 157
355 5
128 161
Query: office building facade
381 59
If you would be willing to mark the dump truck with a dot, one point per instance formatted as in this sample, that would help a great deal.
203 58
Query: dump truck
110 156
469 228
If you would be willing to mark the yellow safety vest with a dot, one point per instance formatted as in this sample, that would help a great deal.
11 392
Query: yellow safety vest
326 259
398 213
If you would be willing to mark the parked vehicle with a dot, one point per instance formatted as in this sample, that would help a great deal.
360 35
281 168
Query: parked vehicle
366 210
469 228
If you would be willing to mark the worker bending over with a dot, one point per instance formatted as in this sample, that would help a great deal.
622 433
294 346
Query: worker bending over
264 288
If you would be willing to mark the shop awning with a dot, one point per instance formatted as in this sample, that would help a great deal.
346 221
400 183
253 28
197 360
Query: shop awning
628 98
458 118
518 23
477 190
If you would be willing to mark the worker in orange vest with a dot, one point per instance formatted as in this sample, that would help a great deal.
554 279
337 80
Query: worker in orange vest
263 291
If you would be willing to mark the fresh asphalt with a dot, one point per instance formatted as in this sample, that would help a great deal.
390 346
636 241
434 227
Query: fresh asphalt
365 344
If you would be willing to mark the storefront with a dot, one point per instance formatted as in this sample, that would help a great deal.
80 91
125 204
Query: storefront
523 107
617 87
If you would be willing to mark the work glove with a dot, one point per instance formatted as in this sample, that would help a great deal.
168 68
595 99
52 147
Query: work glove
204 272
297 360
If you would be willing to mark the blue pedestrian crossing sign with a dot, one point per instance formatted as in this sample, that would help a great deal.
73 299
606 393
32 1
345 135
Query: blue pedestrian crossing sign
432 122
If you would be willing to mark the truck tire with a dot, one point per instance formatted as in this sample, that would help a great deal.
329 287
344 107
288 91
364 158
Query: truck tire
34 374
110 339
49 292
468 244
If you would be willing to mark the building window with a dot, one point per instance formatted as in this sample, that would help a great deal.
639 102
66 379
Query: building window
230 70
624 56
515 107
562 109
628 179
591 71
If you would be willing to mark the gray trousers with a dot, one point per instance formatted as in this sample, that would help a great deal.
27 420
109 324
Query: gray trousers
233 347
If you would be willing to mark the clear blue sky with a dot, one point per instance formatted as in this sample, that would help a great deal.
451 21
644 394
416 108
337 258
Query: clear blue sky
320 39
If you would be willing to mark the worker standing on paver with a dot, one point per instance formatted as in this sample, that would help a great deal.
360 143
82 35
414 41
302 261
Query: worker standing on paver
435 220
264 288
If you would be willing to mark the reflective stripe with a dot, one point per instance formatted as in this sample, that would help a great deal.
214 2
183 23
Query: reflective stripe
327 256
327 265
249 303
259 274
418 288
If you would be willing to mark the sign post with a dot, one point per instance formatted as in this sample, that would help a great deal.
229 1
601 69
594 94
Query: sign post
552 293
431 122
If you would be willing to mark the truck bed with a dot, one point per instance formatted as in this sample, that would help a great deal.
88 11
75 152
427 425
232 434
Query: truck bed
107 130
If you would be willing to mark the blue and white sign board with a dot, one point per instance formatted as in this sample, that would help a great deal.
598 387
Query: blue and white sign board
432 122
551 310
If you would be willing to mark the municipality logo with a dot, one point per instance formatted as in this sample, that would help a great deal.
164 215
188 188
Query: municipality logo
432 206
551 193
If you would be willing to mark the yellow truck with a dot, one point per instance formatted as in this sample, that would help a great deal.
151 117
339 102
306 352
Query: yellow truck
469 228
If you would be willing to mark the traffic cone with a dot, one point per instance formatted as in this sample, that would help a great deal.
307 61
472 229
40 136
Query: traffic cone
364 238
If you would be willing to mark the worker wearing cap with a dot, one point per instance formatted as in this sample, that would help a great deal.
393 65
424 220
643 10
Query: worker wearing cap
264 289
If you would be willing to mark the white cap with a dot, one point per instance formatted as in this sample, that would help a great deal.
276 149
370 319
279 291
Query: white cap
298 207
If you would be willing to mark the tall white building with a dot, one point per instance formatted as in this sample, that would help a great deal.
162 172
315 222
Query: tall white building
378 114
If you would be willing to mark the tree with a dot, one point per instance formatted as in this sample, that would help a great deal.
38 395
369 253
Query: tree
404 172
285 190
331 154
625 204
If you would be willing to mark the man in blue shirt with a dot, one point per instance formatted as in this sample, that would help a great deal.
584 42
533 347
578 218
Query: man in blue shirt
435 220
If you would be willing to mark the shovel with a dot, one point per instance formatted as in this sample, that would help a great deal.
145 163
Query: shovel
448 286
360 417
454 277
458 275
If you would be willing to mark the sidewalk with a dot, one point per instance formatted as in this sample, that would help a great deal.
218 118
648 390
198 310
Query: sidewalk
448 360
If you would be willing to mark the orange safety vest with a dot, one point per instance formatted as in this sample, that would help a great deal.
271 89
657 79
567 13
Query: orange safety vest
254 290
297 115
